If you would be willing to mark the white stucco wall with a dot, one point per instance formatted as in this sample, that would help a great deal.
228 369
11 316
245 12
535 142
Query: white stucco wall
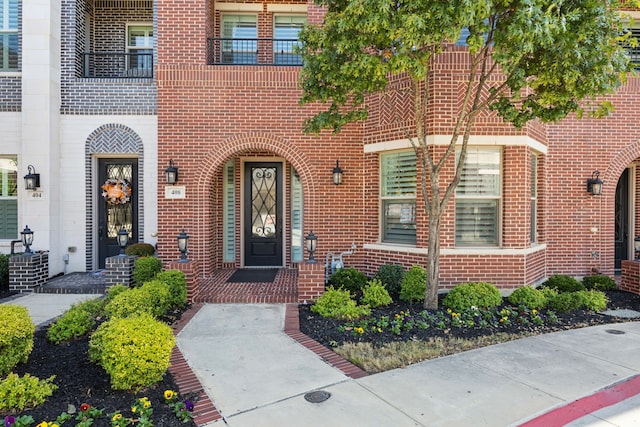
74 131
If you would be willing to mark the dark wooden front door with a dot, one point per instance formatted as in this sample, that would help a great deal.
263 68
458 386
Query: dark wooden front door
622 221
117 204
263 214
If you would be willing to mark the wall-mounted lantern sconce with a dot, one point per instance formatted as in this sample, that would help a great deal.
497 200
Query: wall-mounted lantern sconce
32 179
27 240
594 184
123 239
337 174
171 173
312 244
183 245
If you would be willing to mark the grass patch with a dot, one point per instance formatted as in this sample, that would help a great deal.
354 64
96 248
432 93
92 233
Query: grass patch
399 354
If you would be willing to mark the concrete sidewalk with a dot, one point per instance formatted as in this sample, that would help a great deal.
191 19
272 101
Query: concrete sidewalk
258 376
43 308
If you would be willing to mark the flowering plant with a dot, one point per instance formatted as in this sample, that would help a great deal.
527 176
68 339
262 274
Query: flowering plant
182 408
87 415
116 191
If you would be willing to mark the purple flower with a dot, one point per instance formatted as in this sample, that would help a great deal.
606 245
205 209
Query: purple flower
9 421
188 405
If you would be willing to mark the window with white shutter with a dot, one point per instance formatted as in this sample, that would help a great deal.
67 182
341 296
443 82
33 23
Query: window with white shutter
398 197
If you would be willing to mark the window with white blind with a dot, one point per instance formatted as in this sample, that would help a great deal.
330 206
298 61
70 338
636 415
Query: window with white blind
398 197
297 237
534 197
8 197
478 198
8 35
285 36
140 50
229 213
240 44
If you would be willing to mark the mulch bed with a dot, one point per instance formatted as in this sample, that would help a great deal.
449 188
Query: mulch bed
328 332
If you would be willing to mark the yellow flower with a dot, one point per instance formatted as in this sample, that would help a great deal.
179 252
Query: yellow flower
359 330
134 409
53 425
534 311
168 394
448 310
116 417
43 424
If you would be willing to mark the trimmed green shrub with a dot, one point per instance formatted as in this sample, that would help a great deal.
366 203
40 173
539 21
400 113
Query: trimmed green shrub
475 294
599 282
391 277
152 298
375 294
338 304
4 271
140 249
115 290
20 393
16 336
177 283
565 302
145 269
76 321
349 279
563 283
134 351
594 300
414 284
528 296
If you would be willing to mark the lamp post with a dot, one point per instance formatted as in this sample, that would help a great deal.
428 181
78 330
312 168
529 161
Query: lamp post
183 245
312 244
123 239
27 240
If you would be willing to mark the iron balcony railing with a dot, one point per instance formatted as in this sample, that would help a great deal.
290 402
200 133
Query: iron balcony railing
233 51
117 65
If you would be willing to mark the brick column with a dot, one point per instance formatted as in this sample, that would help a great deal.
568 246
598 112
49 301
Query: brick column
310 282
27 272
120 270
191 270
630 276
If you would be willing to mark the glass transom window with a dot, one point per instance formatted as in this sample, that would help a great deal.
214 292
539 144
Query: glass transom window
478 198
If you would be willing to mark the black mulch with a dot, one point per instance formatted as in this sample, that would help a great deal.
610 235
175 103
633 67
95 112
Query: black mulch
80 381
327 331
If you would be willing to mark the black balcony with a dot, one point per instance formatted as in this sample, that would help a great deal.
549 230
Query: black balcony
118 65
230 51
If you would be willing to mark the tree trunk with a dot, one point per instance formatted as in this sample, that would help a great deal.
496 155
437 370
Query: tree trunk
433 254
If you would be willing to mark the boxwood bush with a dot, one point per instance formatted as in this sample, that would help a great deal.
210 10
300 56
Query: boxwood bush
414 284
16 336
349 279
145 269
474 294
177 283
563 283
391 276
76 321
375 294
140 249
599 282
134 351
152 298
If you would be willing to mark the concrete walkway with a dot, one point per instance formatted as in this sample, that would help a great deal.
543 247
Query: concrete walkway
256 375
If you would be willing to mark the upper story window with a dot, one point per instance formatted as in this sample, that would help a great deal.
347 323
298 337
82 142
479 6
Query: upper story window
8 197
239 39
9 35
139 50
285 34
634 51
478 198
398 197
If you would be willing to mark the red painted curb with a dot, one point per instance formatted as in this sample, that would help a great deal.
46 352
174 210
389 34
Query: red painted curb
587 405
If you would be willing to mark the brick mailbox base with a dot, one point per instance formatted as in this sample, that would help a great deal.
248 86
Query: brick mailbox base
630 276
119 270
27 272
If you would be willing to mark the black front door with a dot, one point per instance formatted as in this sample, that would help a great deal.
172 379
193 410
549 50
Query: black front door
117 204
263 214
622 221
